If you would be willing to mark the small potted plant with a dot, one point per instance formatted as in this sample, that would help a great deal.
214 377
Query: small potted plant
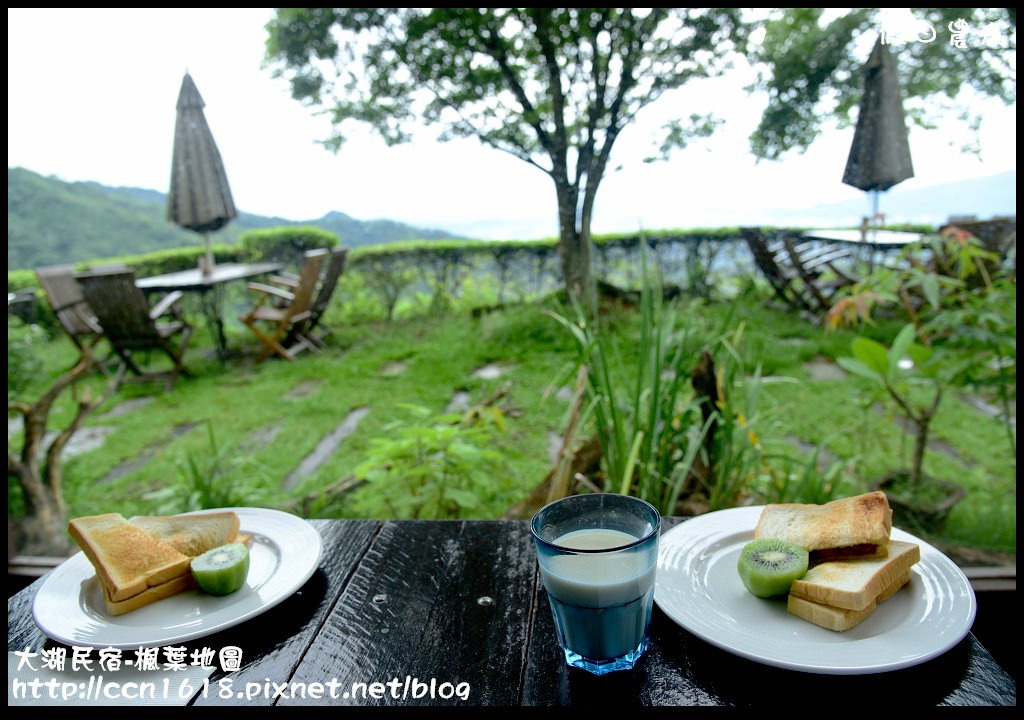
923 500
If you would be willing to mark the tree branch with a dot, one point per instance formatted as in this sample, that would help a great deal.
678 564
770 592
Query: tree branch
560 149
499 53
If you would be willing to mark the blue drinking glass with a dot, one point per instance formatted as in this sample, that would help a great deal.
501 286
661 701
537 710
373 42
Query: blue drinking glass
598 554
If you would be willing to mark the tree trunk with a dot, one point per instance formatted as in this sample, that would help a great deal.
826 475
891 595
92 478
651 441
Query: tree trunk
43 531
575 249
38 472
923 420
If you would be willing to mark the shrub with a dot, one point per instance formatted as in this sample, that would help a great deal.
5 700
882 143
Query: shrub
23 361
284 244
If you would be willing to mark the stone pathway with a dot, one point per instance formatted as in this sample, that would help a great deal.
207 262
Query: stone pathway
88 438
260 438
822 368
459 402
304 388
393 369
126 406
492 371
146 454
325 448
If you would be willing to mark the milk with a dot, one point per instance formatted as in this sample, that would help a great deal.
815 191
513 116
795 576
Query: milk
601 601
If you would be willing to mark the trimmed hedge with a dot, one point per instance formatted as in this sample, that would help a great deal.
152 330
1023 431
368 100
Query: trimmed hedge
284 244
693 260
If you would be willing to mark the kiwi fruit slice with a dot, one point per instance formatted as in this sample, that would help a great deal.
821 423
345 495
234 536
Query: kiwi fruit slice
223 569
769 567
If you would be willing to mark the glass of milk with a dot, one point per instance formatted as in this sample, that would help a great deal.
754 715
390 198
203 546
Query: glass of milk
597 555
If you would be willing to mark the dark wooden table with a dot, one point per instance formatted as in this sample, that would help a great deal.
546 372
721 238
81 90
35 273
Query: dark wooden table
210 289
461 602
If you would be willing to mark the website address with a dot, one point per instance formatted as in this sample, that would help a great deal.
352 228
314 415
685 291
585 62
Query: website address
100 688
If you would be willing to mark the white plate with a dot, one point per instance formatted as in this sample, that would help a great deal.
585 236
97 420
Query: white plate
698 587
285 552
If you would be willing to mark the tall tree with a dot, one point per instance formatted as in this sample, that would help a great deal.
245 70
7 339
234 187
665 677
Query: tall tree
554 87
810 67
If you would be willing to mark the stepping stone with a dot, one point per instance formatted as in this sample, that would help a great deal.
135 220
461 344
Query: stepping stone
147 453
491 371
126 406
825 456
821 368
304 389
325 448
393 369
260 438
459 402
993 411
85 439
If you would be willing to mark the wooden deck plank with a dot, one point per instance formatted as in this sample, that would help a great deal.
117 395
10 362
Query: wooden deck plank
275 642
444 601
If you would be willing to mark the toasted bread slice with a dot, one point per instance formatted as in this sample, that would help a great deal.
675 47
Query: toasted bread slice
192 534
855 584
149 595
857 526
841 619
127 559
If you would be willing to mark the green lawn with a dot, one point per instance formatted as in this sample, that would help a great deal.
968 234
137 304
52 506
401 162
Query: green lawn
260 421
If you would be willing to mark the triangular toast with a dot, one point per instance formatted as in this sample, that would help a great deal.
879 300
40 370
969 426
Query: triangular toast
127 559
191 534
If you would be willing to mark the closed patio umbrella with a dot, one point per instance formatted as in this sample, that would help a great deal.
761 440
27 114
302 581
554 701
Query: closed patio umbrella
880 155
199 198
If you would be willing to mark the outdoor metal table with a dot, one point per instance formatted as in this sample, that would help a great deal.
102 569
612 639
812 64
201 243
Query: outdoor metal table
461 602
209 288
871 245
872 236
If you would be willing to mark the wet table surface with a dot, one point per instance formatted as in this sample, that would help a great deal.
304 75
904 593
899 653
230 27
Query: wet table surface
461 603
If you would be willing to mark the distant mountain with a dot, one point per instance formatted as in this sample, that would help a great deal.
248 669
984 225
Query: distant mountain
985 198
50 221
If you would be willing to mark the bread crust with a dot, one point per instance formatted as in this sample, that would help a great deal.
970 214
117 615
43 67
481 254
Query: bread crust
127 559
149 595
855 584
858 525
841 619
193 534
149 558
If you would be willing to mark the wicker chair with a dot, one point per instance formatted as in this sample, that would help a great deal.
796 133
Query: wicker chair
288 318
130 325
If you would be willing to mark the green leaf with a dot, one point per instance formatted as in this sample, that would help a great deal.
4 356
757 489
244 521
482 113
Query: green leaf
923 358
856 367
930 287
463 498
900 345
871 353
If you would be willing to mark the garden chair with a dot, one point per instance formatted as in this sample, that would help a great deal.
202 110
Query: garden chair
803 274
288 318
65 297
130 325
335 266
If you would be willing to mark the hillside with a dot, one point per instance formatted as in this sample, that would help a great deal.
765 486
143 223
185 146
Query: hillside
50 221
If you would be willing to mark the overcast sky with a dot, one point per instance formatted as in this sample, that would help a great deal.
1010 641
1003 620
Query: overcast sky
91 96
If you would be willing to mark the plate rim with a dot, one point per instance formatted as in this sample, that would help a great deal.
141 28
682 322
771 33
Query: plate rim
928 550
198 632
